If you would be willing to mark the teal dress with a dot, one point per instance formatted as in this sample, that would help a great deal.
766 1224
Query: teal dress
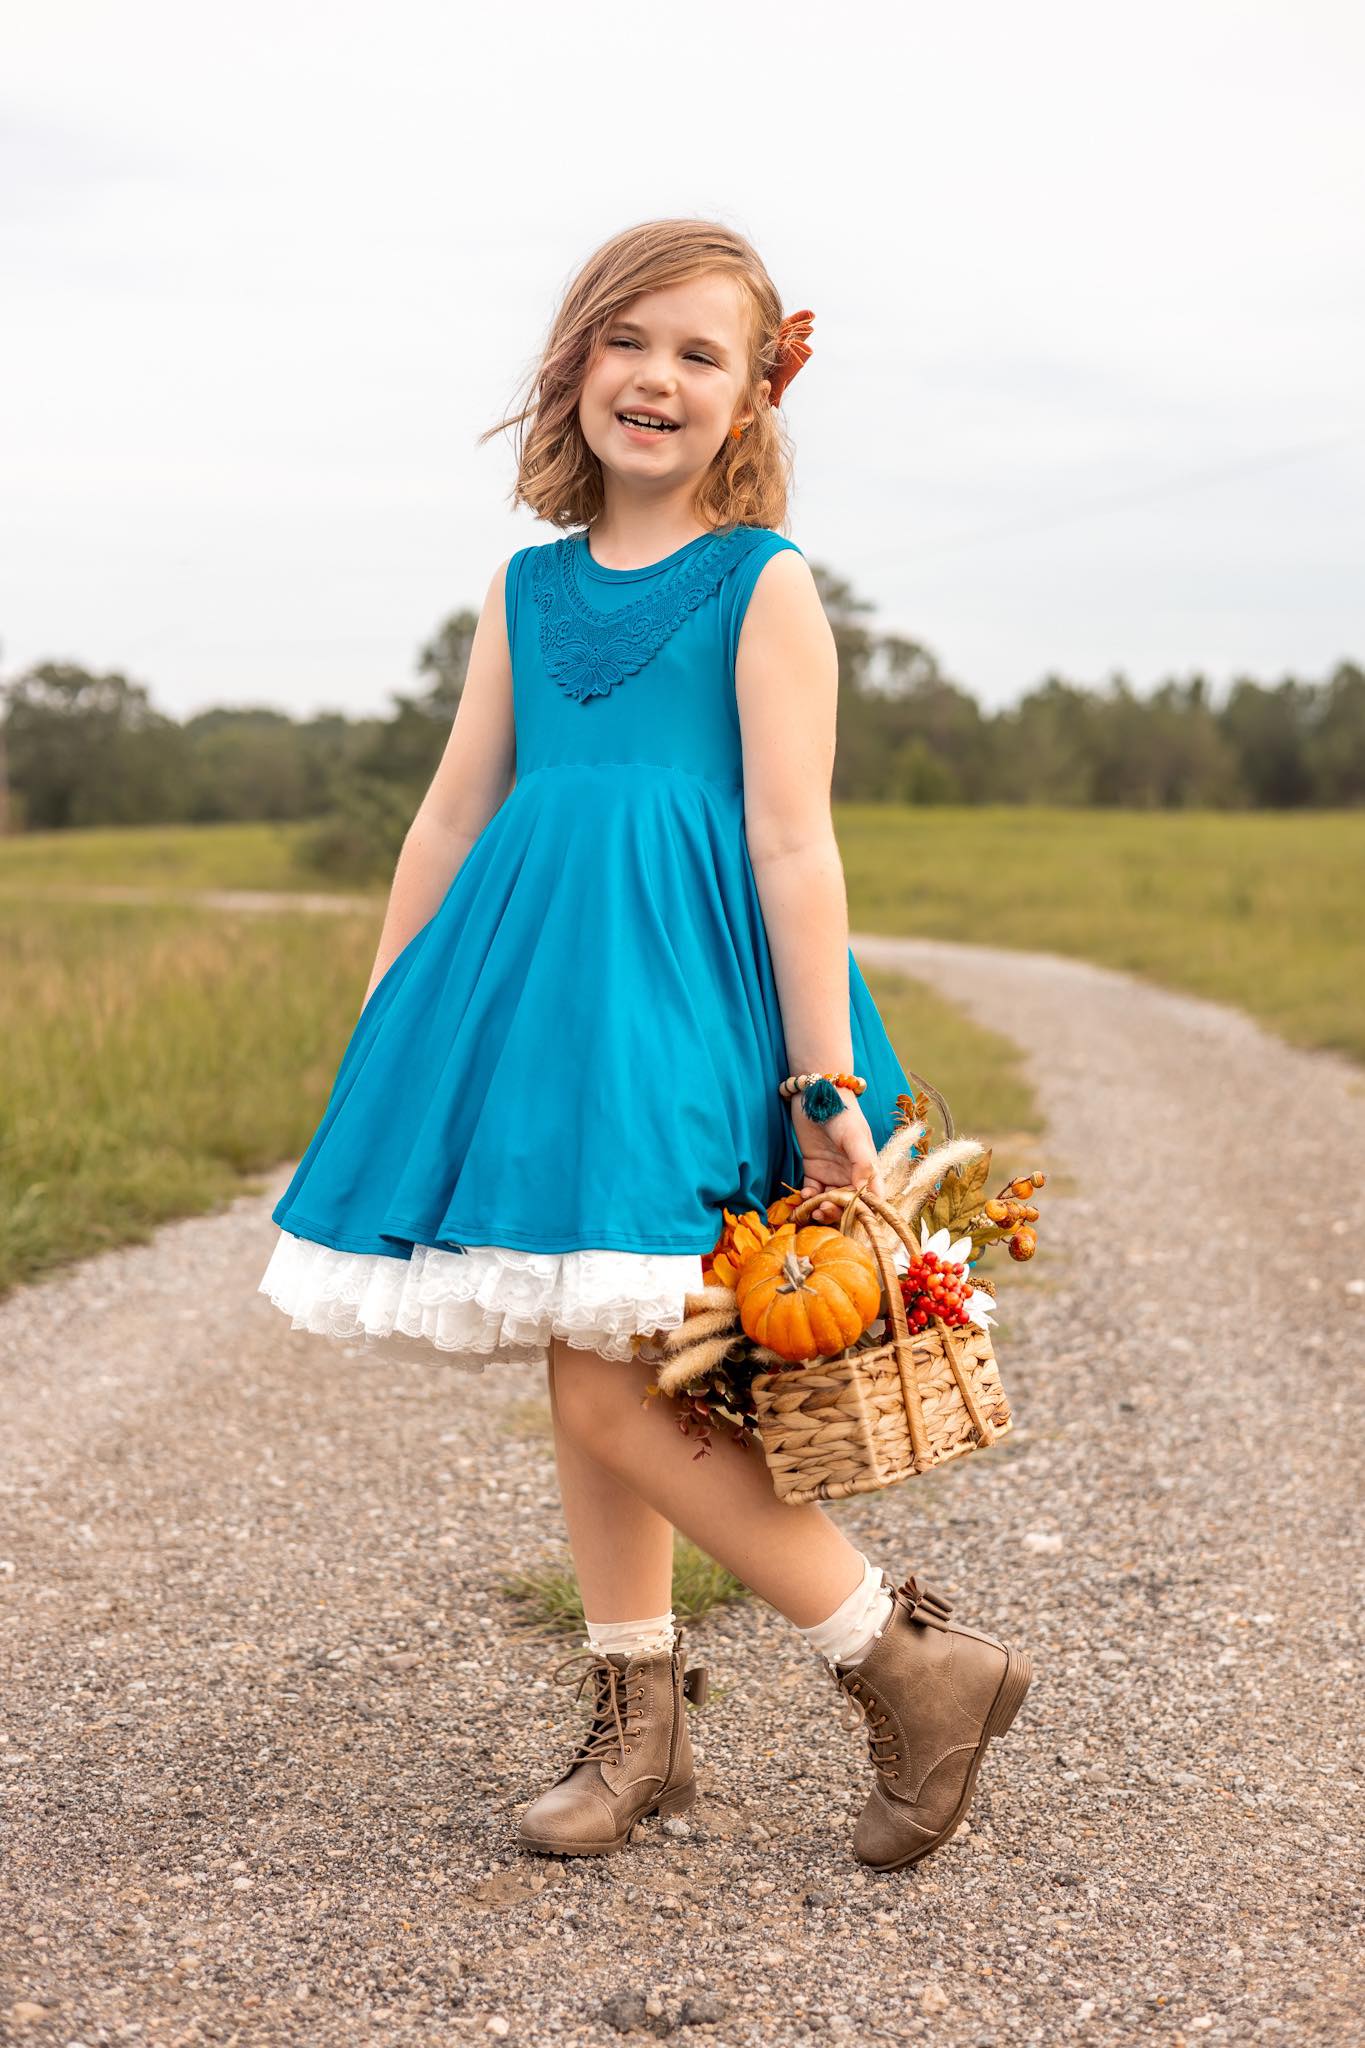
580 1050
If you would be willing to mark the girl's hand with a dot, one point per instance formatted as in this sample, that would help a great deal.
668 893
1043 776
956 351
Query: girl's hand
840 1153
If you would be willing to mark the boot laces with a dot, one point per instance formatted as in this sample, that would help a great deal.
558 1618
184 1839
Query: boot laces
918 1603
614 1688
861 1710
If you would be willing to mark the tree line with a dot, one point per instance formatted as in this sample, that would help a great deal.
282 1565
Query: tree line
84 749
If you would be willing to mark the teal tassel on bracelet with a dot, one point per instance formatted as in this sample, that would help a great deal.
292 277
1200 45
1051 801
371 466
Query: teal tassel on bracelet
821 1100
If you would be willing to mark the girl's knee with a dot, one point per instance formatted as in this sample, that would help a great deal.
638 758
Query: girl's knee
588 1392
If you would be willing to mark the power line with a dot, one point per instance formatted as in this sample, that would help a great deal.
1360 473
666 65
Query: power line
1110 501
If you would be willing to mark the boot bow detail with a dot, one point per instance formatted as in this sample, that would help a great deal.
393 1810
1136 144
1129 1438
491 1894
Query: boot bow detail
696 1685
921 1604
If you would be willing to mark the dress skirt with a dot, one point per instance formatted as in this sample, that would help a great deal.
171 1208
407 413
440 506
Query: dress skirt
571 1071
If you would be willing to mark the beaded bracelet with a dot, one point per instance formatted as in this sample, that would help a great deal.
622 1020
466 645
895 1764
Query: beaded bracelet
820 1097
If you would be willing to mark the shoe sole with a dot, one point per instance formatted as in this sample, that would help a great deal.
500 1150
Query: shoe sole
1003 1708
677 1801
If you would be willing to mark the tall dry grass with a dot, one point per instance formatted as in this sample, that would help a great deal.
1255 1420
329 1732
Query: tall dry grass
153 1057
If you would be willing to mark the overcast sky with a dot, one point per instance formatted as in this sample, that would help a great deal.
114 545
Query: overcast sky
1089 289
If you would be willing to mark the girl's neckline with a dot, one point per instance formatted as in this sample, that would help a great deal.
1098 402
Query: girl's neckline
599 572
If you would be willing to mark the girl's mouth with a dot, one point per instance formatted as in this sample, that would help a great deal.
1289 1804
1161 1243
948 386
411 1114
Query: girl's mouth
635 425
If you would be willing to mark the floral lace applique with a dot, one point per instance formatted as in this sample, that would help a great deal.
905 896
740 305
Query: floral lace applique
587 651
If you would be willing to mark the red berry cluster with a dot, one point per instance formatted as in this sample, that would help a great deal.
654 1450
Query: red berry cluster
935 1287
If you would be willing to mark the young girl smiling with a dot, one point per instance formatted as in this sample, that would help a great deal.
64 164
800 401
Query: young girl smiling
618 922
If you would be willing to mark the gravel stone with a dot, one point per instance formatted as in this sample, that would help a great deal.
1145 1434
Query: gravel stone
702 2010
627 2012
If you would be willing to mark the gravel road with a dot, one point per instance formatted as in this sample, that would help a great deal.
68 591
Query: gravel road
268 1721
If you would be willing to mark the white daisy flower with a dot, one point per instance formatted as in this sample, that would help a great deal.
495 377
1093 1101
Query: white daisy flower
977 1307
955 1252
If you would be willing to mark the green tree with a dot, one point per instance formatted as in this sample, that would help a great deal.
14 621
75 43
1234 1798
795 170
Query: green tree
1334 750
246 764
1043 746
1266 730
88 749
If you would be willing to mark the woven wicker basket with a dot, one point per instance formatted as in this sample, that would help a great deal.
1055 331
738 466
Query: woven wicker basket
868 1418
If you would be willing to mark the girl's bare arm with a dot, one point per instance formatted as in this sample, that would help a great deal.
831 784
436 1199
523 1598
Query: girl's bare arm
787 686
474 775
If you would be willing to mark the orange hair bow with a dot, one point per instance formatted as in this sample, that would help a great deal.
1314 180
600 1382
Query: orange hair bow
793 350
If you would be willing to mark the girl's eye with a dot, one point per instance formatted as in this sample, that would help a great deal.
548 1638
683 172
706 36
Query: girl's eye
624 341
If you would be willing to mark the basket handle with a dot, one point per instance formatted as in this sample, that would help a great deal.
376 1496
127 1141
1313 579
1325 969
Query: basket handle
986 1431
858 1200
853 1199
895 1306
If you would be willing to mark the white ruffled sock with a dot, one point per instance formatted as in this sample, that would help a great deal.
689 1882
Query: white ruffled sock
636 1638
849 1633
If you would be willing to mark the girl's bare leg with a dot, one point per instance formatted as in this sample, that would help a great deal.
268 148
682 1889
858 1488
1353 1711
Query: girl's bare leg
622 1548
794 1557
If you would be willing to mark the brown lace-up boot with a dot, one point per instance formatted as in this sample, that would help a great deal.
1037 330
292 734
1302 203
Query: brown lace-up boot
635 1760
931 1693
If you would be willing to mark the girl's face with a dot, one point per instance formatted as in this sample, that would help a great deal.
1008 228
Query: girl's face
679 354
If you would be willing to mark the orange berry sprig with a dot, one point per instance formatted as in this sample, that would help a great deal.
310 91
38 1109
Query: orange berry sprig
1013 1213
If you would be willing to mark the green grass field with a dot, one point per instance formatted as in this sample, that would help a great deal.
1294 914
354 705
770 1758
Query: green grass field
160 1057
1265 910
176 858
1260 909
154 1056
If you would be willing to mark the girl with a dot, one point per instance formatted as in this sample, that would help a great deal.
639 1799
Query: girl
617 923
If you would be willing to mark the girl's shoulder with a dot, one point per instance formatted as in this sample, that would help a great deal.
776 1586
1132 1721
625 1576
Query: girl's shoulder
772 533
756 546
766 541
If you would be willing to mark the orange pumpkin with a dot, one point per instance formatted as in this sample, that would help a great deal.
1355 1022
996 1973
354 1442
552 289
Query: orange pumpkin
808 1292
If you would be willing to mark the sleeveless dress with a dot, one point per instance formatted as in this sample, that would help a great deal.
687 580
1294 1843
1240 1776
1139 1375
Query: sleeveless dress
571 1069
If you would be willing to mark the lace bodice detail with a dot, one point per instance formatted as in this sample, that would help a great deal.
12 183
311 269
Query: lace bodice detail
589 651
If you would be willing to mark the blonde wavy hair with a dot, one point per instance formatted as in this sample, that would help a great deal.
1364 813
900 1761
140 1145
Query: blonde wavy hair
749 479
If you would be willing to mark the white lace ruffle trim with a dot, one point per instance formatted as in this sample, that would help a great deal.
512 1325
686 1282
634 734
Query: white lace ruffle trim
488 1304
